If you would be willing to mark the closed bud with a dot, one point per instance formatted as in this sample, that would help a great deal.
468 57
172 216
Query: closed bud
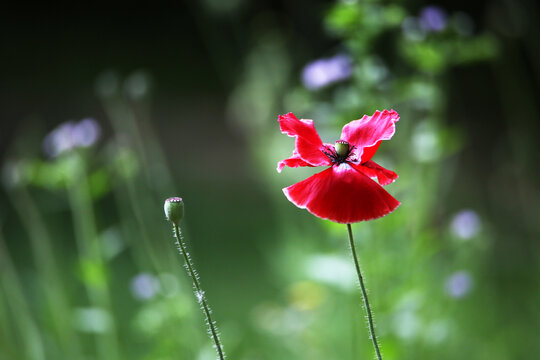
174 209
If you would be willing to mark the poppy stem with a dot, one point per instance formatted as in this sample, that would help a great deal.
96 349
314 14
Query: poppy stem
199 293
371 324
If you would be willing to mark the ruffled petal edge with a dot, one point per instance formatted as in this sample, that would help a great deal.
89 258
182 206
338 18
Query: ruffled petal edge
294 161
374 170
308 144
342 194
367 133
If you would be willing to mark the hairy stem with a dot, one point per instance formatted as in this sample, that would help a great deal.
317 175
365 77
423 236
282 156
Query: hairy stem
199 293
371 324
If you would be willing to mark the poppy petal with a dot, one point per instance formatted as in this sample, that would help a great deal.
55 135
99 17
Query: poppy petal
369 152
341 194
366 134
308 143
294 161
374 170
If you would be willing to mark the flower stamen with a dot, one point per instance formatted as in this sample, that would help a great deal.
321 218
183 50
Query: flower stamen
340 153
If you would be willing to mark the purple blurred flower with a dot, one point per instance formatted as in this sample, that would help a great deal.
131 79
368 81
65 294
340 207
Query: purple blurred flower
86 132
71 134
465 224
458 284
433 18
59 140
144 286
323 72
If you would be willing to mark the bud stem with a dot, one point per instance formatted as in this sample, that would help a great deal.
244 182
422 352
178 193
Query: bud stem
371 324
199 293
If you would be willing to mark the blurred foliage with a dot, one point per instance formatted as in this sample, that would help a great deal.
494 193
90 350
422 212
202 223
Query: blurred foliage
88 269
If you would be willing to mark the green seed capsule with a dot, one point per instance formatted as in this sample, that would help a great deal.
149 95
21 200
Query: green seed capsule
174 209
342 148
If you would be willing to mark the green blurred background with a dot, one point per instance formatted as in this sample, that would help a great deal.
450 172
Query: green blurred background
106 112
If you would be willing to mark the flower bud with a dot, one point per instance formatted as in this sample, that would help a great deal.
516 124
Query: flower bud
342 148
174 209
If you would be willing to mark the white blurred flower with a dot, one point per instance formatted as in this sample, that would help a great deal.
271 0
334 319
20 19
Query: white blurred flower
406 324
92 320
412 29
331 269
112 242
426 145
323 72
281 320
465 224
71 134
459 284
137 85
437 331
144 286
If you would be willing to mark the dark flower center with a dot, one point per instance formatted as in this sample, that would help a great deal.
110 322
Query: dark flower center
340 153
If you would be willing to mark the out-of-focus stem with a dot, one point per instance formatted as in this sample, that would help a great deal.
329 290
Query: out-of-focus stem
11 287
44 257
89 249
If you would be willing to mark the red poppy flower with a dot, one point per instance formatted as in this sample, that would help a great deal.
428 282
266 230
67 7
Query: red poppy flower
345 192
